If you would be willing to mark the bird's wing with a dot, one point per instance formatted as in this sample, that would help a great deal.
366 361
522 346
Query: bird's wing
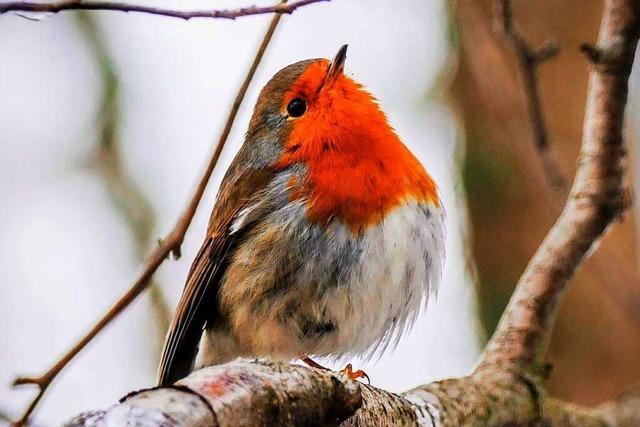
239 192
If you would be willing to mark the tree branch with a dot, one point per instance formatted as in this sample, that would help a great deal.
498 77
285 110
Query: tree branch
230 394
259 392
61 6
529 59
169 245
597 198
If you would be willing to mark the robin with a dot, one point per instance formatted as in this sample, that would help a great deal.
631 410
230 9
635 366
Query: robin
326 238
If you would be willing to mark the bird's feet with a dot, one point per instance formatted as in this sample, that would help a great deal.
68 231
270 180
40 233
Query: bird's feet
354 375
348 370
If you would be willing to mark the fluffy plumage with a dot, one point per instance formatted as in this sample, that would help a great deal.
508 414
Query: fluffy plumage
326 236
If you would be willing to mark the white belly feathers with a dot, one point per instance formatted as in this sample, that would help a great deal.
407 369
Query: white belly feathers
400 266
301 289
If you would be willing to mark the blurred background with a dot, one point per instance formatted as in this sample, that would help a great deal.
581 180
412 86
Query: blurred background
107 121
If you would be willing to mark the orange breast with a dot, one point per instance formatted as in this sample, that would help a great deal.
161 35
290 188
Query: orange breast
358 169
360 192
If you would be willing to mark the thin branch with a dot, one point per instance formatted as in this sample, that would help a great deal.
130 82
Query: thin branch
597 198
169 245
529 59
61 6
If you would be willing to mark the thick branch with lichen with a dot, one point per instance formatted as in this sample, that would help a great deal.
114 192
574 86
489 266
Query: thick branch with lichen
263 393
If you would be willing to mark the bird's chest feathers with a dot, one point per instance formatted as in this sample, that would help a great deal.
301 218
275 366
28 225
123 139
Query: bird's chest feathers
358 184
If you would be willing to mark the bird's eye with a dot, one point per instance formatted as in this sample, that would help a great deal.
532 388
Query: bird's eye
296 107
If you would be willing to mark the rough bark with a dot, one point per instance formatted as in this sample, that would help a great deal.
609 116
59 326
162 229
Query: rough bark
242 393
263 393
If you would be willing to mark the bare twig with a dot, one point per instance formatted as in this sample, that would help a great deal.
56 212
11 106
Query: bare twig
169 245
60 6
597 198
528 61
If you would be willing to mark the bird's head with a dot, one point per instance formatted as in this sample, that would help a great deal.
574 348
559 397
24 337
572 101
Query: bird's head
311 106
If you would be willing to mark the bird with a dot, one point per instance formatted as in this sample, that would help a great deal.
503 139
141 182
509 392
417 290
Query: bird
326 238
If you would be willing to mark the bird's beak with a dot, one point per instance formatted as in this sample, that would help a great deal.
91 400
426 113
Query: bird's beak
336 67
